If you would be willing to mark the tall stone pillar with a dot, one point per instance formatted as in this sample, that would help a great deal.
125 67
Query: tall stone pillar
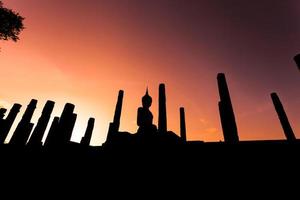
288 131
61 129
182 125
117 115
70 127
88 133
38 132
24 127
7 123
50 139
66 123
115 125
297 60
162 110
226 112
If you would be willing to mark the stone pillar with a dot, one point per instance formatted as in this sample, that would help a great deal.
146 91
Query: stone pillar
182 125
38 132
117 115
114 126
66 123
88 133
162 110
7 123
226 112
297 60
61 129
288 131
2 112
24 127
52 132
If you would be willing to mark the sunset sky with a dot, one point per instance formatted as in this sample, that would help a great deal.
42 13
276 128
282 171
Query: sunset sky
84 51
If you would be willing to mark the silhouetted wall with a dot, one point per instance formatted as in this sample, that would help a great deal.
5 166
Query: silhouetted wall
162 110
226 112
24 127
288 131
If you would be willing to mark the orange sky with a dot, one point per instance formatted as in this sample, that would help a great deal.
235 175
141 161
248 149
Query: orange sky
83 52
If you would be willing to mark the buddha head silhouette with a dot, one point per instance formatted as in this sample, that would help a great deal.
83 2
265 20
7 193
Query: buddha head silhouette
146 100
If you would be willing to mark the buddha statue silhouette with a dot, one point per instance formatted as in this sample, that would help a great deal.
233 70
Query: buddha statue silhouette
145 117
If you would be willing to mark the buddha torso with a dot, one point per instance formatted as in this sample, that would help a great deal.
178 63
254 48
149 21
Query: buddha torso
144 117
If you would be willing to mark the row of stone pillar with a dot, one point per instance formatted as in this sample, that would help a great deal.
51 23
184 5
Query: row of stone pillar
60 131
227 117
62 127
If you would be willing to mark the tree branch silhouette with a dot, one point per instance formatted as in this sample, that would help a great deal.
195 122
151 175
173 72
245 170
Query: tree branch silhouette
11 24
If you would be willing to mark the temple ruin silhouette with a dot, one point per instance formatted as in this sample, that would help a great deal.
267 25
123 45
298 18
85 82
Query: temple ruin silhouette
147 133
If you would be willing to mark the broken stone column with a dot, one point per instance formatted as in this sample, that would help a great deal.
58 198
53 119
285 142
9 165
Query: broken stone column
288 131
226 112
38 132
162 109
182 125
24 127
88 133
8 122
